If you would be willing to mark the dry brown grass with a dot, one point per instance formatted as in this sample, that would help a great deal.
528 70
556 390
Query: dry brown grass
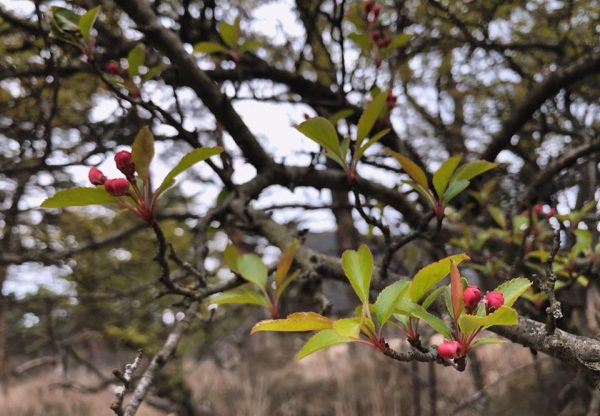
341 381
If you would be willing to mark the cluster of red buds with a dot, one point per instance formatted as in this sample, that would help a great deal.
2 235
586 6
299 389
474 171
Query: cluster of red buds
452 349
376 34
142 206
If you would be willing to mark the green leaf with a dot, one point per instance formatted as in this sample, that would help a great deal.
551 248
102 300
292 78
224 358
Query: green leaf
431 274
142 153
347 327
231 255
442 176
321 131
296 322
432 297
487 341
358 267
135 59
65 20
371 142
239 296
407 307
209 47
361 40
86 22
411 168
455 188
497 215
340 115
186 162
504 315
399 41
281 288
512 289
154 72
229 33
386 301
285 262
468 172
252 268
250 45
320 340
369 117
79 196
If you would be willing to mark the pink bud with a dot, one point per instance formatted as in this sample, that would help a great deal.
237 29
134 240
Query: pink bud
538 209
449 349
124 163
368 6
390 101
376 9
113 67
117 187
493 301
552 213
96 176
471 297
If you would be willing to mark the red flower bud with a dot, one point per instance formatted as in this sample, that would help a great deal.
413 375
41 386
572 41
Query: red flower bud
493 301
471 297
113 67
368 6
552 213
96 176
449 349
390 101
538 209
376 9
117 187
124 163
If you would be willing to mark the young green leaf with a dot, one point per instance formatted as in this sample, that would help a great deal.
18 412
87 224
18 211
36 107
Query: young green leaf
358 267
432 297
347 327
209 47
399 41
86 22
250 45
497 215
135 59
431 274
361 40
386 301
406 307
154 72
320 340
285 262
360 152
142 153
411 168
229 33
469 171
231 256
512 289
369 117
321 131
65 20
340 115
442 176
281 288
77 197
502 316
487 341
296 322
239 296
186 162
455 188
253 269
